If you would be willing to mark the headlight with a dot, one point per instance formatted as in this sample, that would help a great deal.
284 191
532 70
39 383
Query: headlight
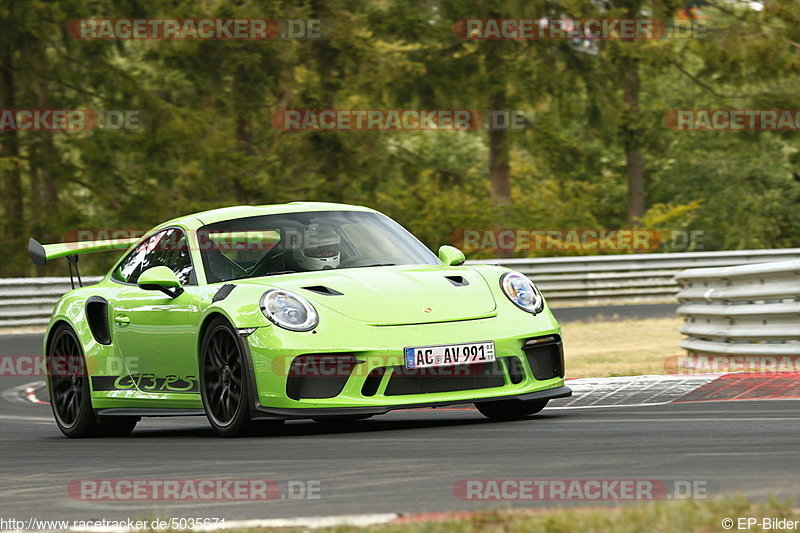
289 311
522 292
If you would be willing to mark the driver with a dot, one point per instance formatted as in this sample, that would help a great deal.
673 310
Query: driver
320 249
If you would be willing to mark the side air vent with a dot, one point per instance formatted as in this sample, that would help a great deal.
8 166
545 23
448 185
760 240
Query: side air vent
458 281
223 292
97 317
323 290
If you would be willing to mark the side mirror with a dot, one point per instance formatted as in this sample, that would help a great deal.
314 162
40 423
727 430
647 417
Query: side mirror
451 256
162 279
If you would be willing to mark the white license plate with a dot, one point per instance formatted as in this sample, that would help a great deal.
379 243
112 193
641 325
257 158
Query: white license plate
449 354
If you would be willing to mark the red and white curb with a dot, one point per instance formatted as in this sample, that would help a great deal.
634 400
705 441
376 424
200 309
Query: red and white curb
628 391
747 386
34 392
663 389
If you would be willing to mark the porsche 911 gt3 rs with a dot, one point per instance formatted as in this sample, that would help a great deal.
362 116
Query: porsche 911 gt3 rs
253 315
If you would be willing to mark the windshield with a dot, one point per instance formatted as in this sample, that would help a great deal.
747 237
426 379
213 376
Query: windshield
305 242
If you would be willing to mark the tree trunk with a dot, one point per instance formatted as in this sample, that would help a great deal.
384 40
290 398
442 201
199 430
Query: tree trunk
14 230
499 166
632 141
242 100
499 158
330 151
499 169
45 186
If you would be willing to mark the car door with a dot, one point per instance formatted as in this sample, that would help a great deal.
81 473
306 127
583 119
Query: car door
154 333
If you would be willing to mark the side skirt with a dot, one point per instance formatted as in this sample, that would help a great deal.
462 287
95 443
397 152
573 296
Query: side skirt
137 411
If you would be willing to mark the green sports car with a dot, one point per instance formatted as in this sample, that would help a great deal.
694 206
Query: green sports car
253 315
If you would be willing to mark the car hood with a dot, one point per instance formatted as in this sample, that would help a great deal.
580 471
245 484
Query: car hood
392 295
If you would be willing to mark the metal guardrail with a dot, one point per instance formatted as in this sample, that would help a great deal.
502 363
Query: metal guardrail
626 278
29 301
585 280
743 310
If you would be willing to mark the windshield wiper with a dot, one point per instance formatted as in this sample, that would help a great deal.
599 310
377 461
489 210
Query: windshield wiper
282 272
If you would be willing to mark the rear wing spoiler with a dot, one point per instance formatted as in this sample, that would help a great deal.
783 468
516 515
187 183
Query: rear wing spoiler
41 253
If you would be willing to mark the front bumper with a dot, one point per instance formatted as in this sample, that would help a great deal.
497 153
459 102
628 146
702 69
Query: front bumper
514 376
262 412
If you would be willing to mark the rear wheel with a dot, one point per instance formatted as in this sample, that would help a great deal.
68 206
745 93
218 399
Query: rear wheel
70 396
224 384
510 409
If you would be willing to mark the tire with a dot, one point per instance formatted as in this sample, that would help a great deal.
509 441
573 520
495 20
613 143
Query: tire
510 409
70 395
225 385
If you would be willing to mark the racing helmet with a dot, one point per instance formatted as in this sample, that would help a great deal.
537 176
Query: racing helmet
320 248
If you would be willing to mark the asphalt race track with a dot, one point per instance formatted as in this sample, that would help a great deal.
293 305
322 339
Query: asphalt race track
402 462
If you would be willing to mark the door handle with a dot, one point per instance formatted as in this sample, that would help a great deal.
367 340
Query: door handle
122 320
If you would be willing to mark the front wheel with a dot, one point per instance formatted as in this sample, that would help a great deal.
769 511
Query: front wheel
510 409
224 385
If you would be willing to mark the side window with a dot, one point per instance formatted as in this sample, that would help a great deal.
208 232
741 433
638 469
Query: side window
129 269
175 255
166 248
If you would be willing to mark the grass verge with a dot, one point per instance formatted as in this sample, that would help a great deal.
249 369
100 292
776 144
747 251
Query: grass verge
620 348
661 517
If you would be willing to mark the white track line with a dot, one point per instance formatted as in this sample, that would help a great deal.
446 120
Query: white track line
28 418
556 407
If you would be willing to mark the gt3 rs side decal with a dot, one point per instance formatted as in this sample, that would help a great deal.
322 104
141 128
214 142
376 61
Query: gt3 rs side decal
146 382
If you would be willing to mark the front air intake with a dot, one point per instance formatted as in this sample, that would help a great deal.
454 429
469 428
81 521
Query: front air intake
545 357
317 376
515 371
444 379
373 381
